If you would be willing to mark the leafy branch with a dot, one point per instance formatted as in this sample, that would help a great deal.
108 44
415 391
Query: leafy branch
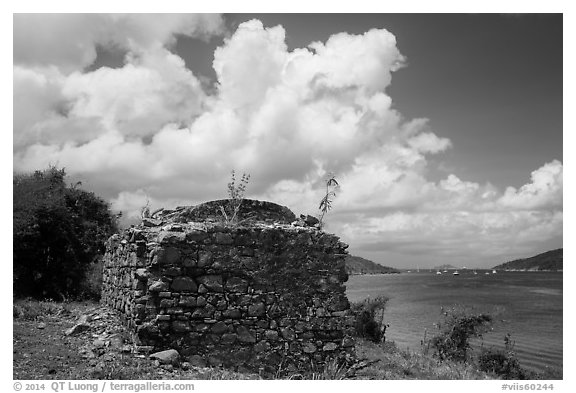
326 202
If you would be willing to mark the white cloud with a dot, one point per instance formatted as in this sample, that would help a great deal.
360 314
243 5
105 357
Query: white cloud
69 41
545 190
357 60
249 64
148 130
139 98
427 142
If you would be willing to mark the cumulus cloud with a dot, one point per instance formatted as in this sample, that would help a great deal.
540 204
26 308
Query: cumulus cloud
149 131
139 98
69 41
545 190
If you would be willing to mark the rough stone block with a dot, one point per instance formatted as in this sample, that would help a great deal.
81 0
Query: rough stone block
228 338
196 236
158 286
309 347
223 238
204 258
271 335
232 313
142 274
245 335
219 328
236 284
212 282
187 301
170 356
173 271
168 256
184 284
181 326
261 346
166 303
288 334
171 237
256 310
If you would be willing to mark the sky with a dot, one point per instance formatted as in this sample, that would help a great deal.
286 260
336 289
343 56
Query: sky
444 131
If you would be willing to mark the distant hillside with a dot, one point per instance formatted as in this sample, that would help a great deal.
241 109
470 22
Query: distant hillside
445 267
550 260
359 265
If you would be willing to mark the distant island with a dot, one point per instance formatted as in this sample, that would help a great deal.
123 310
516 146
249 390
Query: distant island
445 267
358 265
550 261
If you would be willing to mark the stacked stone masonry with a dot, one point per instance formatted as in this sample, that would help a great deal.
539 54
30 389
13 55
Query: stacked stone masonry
254 296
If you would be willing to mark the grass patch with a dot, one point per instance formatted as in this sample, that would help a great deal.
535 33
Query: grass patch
30 309
404 364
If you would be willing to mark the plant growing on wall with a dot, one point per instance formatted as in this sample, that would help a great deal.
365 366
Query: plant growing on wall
145 210
235 198
326 202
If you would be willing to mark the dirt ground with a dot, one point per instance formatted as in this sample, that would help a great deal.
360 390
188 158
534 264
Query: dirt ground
43 350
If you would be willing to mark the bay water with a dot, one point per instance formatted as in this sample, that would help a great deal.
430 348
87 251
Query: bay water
527 305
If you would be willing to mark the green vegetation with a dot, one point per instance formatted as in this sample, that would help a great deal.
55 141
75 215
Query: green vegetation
458 327
359 265
369 322
390 362
447 355
326 202
58 233
235 198
550 260
32 310
502 362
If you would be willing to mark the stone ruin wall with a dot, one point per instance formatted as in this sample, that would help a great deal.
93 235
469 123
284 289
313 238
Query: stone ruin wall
265 293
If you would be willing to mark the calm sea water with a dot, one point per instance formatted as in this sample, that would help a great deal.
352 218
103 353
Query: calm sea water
528 305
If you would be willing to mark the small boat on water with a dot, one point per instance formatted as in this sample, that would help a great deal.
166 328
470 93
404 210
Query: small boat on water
456 273
438 272
445 271
493 271
475 272
487 273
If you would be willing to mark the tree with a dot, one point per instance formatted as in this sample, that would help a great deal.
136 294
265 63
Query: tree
58 233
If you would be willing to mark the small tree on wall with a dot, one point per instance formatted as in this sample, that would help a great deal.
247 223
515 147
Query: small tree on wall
326 202
236 196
